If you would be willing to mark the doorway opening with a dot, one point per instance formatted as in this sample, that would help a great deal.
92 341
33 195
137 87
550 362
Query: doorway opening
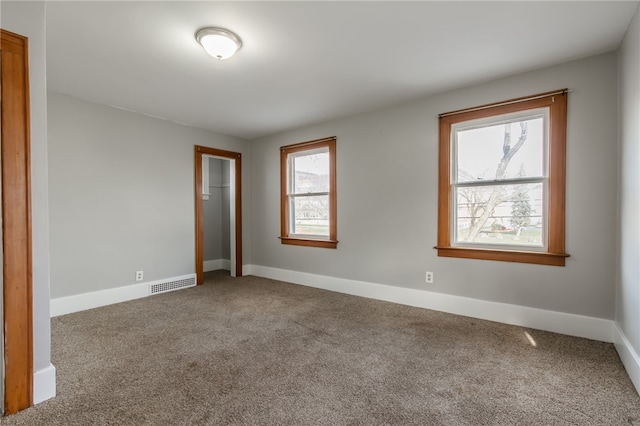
231 167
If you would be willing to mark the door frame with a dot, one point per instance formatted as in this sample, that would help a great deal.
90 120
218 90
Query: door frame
16 223
199 151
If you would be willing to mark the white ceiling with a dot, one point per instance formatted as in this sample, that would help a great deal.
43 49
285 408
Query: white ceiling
308 62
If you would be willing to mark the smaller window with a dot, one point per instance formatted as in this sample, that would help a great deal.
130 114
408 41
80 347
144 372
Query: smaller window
308 193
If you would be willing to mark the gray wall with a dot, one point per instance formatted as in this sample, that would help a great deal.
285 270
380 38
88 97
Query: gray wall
215 212
387 175
122 195
628 277
28 18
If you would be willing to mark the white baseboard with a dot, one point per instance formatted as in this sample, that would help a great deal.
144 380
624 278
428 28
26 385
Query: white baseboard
44 384
214 265
540 319
628 356
96 299
248 270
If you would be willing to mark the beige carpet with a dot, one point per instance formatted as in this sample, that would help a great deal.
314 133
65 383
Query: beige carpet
252 351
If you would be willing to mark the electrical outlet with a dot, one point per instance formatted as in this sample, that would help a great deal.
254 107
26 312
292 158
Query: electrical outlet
429 277
139 275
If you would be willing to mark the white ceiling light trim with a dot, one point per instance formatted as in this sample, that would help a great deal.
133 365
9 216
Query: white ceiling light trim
218 42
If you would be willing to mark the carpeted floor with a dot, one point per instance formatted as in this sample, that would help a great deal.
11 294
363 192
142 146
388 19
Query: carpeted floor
251 351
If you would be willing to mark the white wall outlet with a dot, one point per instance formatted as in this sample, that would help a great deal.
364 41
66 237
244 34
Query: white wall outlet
429 277
139 275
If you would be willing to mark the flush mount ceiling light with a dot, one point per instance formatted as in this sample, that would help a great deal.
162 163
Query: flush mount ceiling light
218 42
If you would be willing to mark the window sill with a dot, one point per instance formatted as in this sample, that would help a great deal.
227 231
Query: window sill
331 244
539 258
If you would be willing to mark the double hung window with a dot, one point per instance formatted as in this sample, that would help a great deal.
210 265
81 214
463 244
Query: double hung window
308 193
502 181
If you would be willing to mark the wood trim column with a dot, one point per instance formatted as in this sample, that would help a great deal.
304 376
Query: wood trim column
16 223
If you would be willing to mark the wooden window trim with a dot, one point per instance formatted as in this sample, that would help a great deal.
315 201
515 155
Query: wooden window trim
555 254
285 237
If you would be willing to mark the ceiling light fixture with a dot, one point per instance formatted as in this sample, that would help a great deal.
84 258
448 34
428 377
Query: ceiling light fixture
218 42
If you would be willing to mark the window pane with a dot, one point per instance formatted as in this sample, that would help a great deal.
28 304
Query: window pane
311 173
310 215
501 215
494 151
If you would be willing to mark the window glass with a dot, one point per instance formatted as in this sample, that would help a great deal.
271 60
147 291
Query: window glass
311 173
518 220
488 152
481 149
310 215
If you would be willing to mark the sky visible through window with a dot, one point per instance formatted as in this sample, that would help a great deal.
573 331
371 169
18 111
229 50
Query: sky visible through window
317 164
480 151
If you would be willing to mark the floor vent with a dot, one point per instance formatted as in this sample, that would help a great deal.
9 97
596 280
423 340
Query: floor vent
165 286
